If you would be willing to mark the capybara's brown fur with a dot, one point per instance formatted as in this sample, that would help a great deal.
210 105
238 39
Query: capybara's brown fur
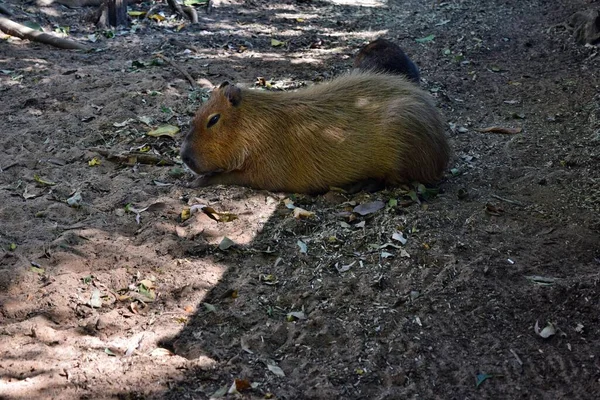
358 127
382 55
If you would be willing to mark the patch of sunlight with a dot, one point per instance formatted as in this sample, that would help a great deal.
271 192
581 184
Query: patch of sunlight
303 16
362 3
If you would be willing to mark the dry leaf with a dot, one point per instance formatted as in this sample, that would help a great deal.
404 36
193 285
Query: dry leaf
369 208
303 247
226 243
164 130
302 213
399 236
95 300
276 370
548 331
160 352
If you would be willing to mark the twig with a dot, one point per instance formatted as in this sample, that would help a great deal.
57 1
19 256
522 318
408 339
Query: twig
514 353
500 129
133 158
178 68
518 203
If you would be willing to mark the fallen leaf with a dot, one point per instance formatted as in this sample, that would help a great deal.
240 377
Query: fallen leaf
303 246
27 195
147 283
185 214
302 213
242 384
213 214
95 299
220 392
277 43
157 17
161 352
124 123
481 378
268 279
295 315
369 208
541 280
425 39
226 243
385 245
133 346
548 331
75 200
289 203
245 346
345 268
209 307
164 130
276 370
38 270
147 291
109 352
399 237
94 161
42 181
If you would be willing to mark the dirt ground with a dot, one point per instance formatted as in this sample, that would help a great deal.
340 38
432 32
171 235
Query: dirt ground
100 298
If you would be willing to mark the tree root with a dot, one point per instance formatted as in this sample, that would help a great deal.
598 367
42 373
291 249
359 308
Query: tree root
178 68
5 10
21 31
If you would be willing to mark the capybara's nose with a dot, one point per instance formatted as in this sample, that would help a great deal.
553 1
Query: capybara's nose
187 157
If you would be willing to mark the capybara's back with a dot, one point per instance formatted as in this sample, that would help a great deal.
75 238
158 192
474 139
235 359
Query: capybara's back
358 127
382 55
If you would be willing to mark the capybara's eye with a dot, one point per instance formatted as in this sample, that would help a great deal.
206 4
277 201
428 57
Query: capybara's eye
213 120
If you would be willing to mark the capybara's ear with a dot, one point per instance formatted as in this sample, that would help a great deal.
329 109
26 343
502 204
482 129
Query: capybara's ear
233 94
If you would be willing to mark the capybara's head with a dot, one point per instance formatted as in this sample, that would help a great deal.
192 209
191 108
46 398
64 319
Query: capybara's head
213 143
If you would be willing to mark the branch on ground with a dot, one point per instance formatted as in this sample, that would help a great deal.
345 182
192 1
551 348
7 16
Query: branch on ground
21 31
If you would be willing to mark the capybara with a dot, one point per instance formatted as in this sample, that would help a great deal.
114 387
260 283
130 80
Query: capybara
362 126
381 55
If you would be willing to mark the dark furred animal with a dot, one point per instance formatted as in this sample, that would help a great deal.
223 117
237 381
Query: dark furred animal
357 127
381 55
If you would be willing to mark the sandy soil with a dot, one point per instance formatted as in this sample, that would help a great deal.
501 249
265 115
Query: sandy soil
96 303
